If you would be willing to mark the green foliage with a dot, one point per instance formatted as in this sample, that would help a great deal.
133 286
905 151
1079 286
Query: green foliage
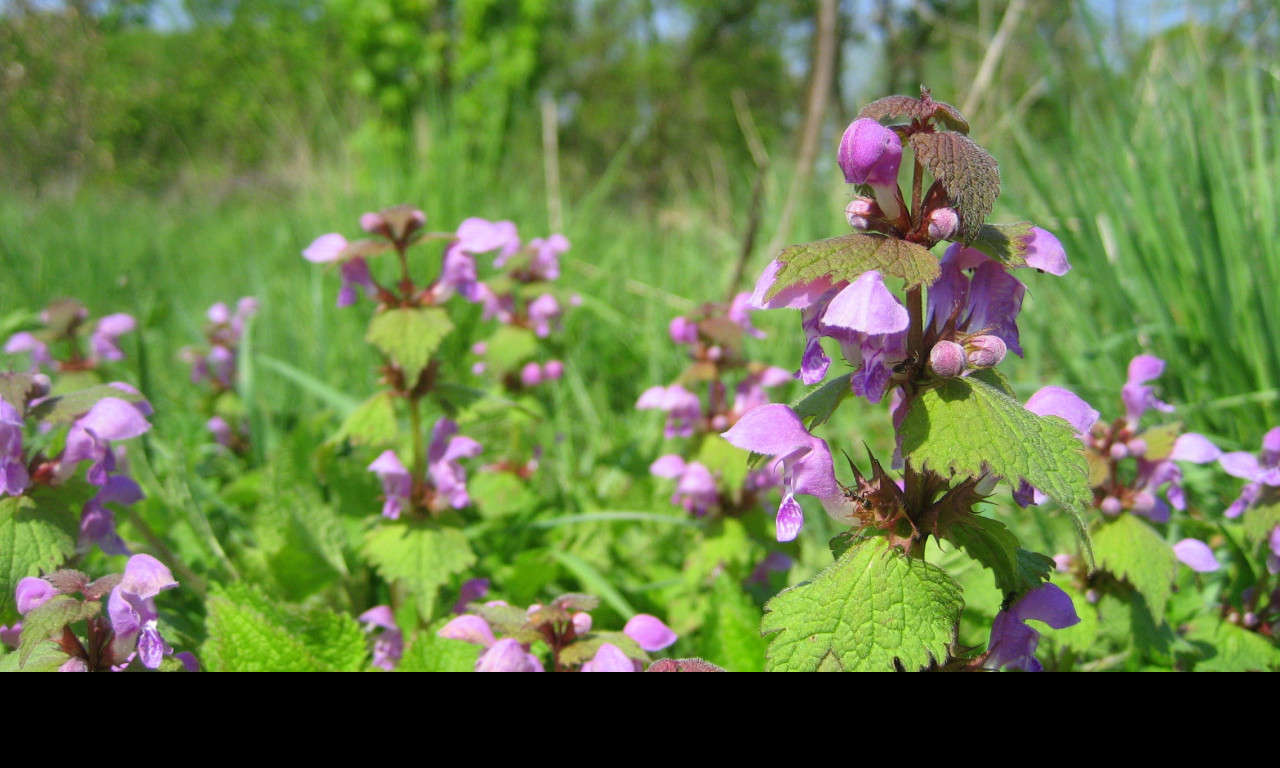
730 635
428 652
966 171
45 657
988 541
1226 647
373 423
408 336
37 535
1131 550
875 609
61 409
1006 243
421 556
967 426
248 632
847 257
48 621
823 401
1261 519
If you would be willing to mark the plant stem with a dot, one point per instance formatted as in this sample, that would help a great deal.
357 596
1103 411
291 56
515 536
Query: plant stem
419 447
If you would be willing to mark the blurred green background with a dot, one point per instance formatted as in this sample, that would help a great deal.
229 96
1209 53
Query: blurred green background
159 155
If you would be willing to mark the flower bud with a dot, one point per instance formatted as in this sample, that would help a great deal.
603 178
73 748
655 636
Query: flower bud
1119 451
985 351
1137 447
943 223
870 153
581 623
1143 502
553 370
857 211
683 331
40 385
531 375
946 359
1112 506
1092 596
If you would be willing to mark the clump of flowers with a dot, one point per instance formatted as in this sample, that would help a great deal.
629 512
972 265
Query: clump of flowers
515 639
216 365
69 340
127 636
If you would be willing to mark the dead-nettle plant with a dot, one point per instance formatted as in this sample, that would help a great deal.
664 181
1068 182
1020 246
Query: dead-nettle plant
960 432
412 423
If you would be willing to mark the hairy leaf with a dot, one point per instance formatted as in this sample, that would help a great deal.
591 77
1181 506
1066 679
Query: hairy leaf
970 175
1006 243
584 650
47 621
15 389
63 408
428 652
250 633
46 657
37 535
730 634
988 541
408 336
872 610
1231 648
420 556
1130 549
916 109
966 425
1261 519
373 423
818 404
848 256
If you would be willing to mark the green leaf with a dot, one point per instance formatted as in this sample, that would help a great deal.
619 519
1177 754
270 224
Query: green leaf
593 581
64 408
872 610
15 389
498 494
970 175
1231 648
1260 520
43 623
509 348
1130 549
428 652
250 633
730 636
37 535
848 256
373 423
421 556
967 425
408 336
1006 243
46 657
584 650
818 404
993 545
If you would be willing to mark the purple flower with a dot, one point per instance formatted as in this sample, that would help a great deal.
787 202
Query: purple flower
355 273
476 235
683 330
774 562
89 438
98 524
472 629
389 646
472 590
740 313
220 430
871 154
531 375
353 268
542 311
683 408
447 475
32 593
397 485
13 465
695 485
508 655
609 658
1273 558
102 342
11 636
1013 643
775 430
131 607
26 342
1196 555
649 632
1261 470
1138 398
749 393
546 256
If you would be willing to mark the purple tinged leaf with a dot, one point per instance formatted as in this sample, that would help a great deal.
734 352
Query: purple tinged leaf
649 632
1196 555
609 658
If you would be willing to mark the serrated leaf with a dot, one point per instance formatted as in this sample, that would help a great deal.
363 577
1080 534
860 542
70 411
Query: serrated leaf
409 335
966 425
585 649
509 348
46 657
250 633
15 389
1006 243
966 171
63 408
37 535
420 556
428 652
915 109
43 623
373 423
873 609
1160 440
818 404
994 378
988 541
849 256
1231 648
1130 549
730 636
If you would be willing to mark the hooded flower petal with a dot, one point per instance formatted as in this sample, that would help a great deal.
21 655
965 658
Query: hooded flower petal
1138 399
866 306
649 632
1013 643
870 153
507 655
472 629
1196 555
609 658
32 593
